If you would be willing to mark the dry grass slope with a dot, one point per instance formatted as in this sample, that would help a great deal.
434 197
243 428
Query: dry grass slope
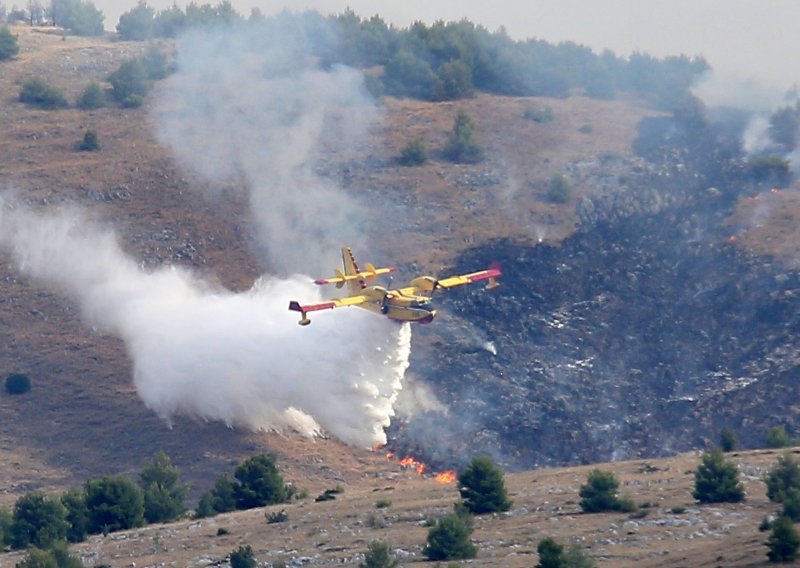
83 418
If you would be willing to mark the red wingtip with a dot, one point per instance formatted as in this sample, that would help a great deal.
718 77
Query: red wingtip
321 281
495 266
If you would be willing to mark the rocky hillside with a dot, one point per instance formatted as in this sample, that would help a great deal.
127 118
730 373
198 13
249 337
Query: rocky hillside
669 530
629 323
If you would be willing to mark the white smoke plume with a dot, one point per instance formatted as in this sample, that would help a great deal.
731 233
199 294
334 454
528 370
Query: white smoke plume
248 106
253 103
212 353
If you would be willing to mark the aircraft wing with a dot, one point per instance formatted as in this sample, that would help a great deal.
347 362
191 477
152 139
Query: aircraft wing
491 274
328 305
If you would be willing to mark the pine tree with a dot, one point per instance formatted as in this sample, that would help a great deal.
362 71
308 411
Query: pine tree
784 476
482 487
449 539
599 493
717 481
551 554
164 495
783 541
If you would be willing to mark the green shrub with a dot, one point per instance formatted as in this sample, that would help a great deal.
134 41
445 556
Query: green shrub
783 477
129 82
39 520
551 554
727 440
383 503
777 438
243 557
260 483
8 43
92 97
538 114
89 142
164 495
74 502
5 526
791 504
462 145
483 488
113 503
449 539
17 384
677 510
220 499
133 101
379 555
56 556
415 153
155 64
783 541
559 189
138 23
276 517
717 481
599 494
576 557
35 92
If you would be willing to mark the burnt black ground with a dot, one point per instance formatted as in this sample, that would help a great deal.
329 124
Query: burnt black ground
639 336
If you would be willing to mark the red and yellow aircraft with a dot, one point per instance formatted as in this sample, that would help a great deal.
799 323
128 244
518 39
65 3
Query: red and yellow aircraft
412 303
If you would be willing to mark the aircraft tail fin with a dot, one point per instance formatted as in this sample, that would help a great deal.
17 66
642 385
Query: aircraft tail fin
355 279
355 285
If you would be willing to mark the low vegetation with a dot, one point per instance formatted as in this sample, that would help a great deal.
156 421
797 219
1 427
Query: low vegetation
92 97
89 143
559 189
17 383
379 555
462 144
8 43
415 153
37 93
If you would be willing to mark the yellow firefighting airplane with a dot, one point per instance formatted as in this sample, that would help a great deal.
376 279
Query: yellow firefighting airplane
412 304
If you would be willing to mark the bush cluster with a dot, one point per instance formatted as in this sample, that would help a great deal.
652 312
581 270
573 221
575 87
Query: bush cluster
445 60
103 505
36 92
257 483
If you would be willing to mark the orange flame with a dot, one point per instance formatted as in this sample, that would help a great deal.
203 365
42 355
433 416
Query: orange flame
446 477
411 462
418 466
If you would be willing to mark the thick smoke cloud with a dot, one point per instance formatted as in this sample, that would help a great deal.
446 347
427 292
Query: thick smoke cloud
252 103
246 106
211 353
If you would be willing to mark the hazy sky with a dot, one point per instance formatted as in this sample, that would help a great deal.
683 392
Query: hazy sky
751 38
